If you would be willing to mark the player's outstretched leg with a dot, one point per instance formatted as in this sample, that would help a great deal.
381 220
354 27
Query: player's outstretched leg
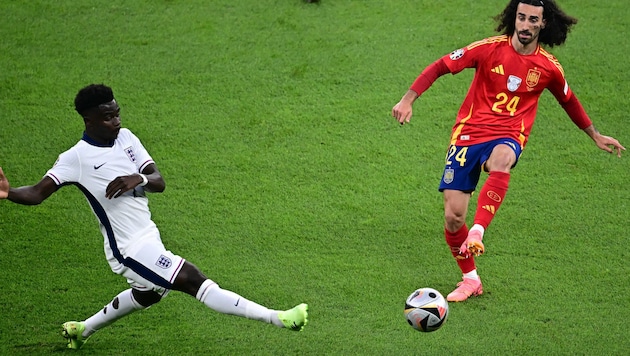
466 288
228 302
294 318
73 332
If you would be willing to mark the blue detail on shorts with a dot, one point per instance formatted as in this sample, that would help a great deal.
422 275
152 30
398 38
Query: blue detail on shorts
465 178
134 265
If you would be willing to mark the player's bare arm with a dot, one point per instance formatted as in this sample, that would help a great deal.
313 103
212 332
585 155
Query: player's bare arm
606 143
156 183
403 110
27 195
122 184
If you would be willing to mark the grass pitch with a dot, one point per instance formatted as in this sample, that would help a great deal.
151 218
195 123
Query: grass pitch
288 181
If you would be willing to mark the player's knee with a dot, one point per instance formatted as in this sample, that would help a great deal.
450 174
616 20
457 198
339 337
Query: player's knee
146 298
502 159
454 221
500 166
189 279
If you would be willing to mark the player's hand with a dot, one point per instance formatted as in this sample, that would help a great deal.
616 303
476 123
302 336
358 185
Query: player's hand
122 184
4 185
402 112
609 144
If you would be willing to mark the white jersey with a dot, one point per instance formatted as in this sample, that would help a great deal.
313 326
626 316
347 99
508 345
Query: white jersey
91 167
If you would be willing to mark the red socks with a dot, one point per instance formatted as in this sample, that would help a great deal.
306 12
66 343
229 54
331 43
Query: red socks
454 241
490 197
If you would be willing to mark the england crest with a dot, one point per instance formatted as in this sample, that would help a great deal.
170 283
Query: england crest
164 262
130 154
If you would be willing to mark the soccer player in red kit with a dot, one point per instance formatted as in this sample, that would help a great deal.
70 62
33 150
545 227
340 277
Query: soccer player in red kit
495 119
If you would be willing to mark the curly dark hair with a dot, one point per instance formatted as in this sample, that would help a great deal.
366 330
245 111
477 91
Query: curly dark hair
91 96
558 24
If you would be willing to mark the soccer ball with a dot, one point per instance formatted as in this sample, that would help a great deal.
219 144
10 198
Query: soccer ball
426 309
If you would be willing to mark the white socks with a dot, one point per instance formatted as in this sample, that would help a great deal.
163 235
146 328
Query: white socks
479 228
123 304
221 300
472 274
227 302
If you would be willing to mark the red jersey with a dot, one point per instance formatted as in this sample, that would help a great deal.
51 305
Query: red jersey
503 97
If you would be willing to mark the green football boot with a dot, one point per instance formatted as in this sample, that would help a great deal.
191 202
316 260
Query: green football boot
294 318
73 332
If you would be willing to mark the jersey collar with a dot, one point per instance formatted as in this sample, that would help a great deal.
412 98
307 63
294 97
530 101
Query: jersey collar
89 140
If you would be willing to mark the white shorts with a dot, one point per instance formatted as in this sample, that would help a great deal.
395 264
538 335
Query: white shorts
148 265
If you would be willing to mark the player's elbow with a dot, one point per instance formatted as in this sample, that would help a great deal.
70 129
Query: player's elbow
158 186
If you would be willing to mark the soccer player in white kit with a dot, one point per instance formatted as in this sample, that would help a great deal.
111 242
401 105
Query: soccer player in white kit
114 170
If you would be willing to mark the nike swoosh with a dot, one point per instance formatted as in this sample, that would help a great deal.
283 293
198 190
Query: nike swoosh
99 166
238 300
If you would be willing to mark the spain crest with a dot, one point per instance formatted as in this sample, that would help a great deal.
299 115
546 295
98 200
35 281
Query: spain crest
533 76
449 175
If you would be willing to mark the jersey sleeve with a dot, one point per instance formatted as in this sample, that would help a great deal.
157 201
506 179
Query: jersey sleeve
428 76
65 168
558 86
467 57
142 156
569 102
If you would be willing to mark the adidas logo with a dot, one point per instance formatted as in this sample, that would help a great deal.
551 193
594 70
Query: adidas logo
498 69
490 208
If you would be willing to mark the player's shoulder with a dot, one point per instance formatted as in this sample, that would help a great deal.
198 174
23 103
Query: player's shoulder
71 154
546 54
489 41
125 135
550 59
125 132
479 49
79 146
